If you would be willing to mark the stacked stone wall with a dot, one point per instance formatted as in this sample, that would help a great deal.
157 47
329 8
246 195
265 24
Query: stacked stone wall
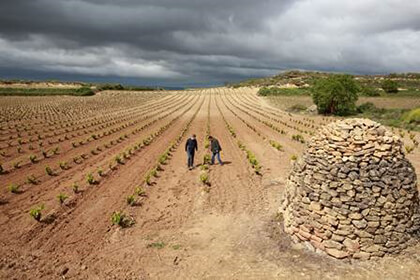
353 194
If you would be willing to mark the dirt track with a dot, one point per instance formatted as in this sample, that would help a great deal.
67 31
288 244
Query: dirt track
183 229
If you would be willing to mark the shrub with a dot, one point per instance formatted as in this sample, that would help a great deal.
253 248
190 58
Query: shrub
1 168
49 171
276 145
298 138
154 172
409 149
16 164
204 167
140 191
75 187
390 86
206 159
32 158
118 159
412 116
62 197
36 212
120 219
63 165
131 200
266 91
369 91
257 169
100 172
293 157
147 178
14 188
32 180
90 179
163 158
204 178
366 107
335 95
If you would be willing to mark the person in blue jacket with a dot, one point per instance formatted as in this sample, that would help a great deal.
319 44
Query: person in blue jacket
191 147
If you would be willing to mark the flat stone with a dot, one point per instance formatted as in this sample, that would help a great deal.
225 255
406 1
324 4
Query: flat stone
332 244
351 245
361 255
373 248
360 224
336 253
355 216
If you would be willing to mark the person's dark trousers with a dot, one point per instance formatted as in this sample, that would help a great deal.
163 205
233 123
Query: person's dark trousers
217 154
190 155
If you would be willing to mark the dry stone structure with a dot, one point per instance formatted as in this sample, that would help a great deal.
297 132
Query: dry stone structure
353 194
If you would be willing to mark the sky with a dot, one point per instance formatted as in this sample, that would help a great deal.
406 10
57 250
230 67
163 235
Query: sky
204 43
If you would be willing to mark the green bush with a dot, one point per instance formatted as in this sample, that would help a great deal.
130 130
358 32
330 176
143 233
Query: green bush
412 116
390 86
369 91
366 107
335 95
266 91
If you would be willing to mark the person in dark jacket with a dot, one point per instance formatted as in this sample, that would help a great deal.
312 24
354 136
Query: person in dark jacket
215 149
190 147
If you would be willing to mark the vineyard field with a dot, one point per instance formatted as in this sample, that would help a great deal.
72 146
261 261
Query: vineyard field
97 187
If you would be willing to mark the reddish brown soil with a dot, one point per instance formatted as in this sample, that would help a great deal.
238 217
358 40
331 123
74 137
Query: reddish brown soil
183 229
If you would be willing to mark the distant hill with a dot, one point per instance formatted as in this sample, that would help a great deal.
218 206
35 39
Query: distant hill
299 79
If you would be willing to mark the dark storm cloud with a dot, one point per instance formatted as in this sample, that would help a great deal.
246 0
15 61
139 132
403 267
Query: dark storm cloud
192 40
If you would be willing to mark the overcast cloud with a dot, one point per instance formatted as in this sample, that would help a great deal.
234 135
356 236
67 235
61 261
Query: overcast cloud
182 42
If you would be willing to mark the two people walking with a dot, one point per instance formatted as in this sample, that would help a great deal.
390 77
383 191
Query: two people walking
191 147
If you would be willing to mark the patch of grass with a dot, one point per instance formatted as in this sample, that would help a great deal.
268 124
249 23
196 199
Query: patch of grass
412 116
297 108
176 247
266 91
276 145
157 245
298 138
400 118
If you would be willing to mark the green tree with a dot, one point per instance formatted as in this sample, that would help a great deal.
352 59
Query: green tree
390 86
336 95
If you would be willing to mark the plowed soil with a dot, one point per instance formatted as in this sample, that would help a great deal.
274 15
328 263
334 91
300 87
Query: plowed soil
184 229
